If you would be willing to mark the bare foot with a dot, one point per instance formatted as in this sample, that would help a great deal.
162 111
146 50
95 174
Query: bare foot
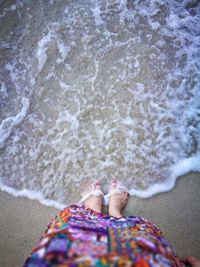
94 202
118 200
193 262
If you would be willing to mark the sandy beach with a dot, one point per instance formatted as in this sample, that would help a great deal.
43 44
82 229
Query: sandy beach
96 90
177 213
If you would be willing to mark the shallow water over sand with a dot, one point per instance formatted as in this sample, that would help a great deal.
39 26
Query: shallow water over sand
98 90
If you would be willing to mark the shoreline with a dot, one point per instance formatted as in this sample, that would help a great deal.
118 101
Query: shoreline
176 213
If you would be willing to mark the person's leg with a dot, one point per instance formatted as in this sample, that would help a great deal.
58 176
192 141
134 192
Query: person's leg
117 201
95 202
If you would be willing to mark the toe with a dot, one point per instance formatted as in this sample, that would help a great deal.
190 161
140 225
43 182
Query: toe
125 194
97 185
113 183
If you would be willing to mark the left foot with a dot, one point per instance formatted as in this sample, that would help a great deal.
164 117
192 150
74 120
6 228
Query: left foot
94 202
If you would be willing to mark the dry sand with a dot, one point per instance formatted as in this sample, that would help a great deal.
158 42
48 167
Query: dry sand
177 213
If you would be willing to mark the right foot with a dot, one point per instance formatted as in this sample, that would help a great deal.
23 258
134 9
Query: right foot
93 202
118 199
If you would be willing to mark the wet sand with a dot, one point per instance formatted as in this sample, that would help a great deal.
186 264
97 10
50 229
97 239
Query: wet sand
177 213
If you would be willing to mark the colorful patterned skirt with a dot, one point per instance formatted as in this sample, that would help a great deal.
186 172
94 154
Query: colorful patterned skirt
79 236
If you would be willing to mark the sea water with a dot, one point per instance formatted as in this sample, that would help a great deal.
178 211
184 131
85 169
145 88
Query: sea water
96 90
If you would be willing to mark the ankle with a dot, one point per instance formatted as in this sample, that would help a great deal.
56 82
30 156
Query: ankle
94 208
115 214
94 203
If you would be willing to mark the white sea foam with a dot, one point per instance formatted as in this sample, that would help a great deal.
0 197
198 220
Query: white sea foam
182 168
113 90
185 166
3 90
97 14
8 124
63 50
31 195
41 53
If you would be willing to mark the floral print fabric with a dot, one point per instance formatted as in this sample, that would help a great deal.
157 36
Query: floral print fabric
79 236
